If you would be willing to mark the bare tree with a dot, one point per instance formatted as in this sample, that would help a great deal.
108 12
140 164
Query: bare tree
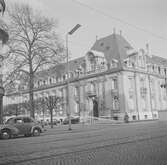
52 102
33 44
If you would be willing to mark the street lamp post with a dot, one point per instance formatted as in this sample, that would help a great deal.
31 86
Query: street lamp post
75 28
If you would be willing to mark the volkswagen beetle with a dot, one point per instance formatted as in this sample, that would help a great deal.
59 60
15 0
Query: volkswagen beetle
15 126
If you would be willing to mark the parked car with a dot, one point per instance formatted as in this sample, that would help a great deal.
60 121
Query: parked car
55 122
74 120
15 126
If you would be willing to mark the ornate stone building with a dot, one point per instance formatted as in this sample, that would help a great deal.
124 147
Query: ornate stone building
110 80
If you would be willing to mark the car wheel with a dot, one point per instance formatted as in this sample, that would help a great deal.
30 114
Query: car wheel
36 132
6 134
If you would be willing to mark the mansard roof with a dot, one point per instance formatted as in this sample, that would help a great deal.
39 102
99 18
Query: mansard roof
61 68
157 60
113 46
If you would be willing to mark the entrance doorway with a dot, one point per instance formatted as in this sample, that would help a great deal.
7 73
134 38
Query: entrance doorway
95 108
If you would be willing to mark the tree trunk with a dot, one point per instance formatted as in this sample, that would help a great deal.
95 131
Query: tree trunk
31 95
1 109
51 118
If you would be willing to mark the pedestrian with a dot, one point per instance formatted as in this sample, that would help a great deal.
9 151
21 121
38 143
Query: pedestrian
126 118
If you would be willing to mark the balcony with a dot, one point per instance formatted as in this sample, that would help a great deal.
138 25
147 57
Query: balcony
143 91
97 69
91 93
114 92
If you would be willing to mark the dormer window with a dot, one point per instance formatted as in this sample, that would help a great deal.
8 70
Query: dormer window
71 75
162 71
159 70
140 61
126 62
58 79
64 77
102 44
107 47
50 80
153 67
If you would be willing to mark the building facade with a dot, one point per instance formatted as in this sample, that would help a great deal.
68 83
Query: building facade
111 80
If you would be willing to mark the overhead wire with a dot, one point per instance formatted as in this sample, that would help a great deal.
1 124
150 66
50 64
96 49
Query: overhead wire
119 20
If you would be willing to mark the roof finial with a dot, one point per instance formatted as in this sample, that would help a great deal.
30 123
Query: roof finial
148 50
120 32
96 37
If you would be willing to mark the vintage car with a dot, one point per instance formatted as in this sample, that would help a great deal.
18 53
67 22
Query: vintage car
15 126
74 120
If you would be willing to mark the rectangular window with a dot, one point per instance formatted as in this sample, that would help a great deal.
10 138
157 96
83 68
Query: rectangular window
165 71
76 91
115 84
76 108
131 82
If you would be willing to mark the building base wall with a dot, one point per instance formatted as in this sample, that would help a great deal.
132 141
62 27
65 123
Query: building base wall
162 115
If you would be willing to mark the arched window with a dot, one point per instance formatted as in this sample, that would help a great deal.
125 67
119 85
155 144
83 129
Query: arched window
64 77
50 80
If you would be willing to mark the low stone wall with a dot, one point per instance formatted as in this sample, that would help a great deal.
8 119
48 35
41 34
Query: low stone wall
162 115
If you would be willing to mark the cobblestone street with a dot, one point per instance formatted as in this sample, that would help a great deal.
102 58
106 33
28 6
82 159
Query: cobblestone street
98 144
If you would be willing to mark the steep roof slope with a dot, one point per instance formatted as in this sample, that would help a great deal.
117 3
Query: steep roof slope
113 46
157 60
61 68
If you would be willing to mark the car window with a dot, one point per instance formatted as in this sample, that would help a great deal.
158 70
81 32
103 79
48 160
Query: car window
27 120
10 121
18 121
32 119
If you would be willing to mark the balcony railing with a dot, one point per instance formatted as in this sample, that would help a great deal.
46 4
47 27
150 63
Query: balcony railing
91 93
114 92
97 69
143 91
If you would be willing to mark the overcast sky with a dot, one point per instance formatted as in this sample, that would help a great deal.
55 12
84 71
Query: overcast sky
149 15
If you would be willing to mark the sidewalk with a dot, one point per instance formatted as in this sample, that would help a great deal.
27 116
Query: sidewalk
89 126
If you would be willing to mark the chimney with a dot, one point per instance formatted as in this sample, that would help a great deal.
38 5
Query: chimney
148 50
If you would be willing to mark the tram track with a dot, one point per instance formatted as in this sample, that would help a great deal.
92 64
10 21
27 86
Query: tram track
120 141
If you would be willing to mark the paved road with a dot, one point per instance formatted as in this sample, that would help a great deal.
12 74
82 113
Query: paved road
143 143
